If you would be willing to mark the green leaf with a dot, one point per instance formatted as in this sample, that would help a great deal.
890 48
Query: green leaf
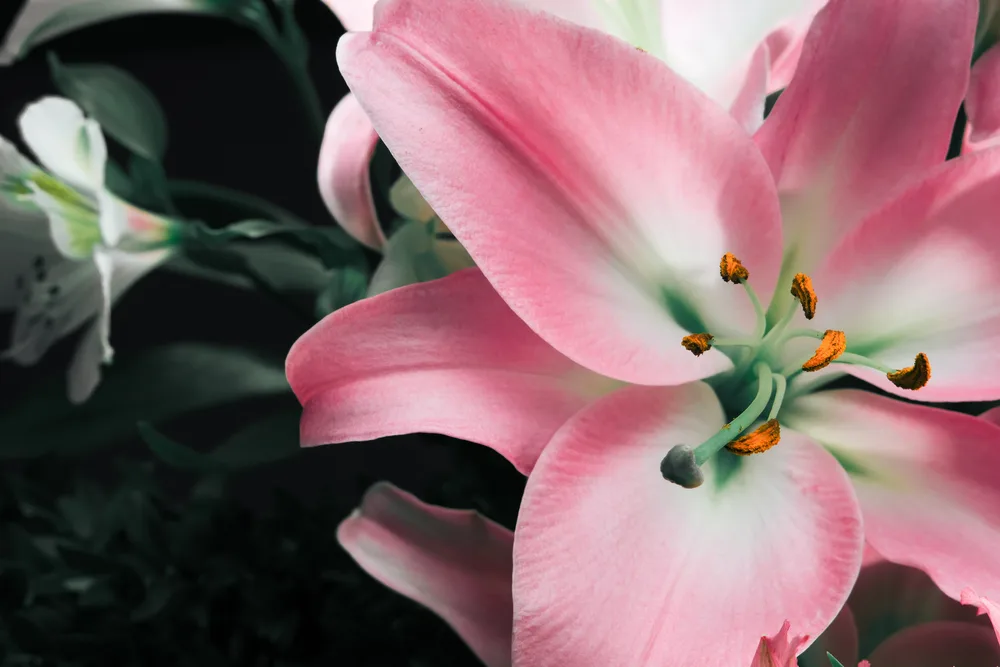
833 661
266 440
347 285
330 244
123 106
83 13
154 385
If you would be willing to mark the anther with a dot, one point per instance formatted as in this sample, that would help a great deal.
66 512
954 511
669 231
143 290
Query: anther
697 344
912 377
680 467
834 344
802 289
761 439
732 270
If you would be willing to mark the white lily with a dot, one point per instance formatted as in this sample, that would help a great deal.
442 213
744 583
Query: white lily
95 248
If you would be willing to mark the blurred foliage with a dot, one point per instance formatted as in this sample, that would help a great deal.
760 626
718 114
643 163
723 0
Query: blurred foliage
131 574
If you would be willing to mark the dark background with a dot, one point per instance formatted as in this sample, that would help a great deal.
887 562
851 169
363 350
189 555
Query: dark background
234 120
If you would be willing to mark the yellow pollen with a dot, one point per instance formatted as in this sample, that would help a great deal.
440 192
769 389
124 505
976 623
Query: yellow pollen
698 344
802 289
912 377
764 437
732 270
833 345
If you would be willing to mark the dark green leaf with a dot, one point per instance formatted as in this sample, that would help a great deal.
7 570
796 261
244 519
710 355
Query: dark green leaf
157 384
833 661
158 596
124 107
175 454
347 285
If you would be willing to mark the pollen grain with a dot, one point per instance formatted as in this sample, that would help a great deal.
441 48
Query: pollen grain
763 438
833 345
732 270
697 344
912 377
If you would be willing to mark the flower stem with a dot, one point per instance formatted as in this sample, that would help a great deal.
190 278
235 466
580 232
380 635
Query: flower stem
236 198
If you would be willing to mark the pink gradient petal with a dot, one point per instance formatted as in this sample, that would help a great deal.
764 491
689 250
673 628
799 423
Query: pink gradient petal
354 15
920 275
613 565
928 481
585 178
748 106
992 416
456 563
779 650
940 644
447 357
890 597
348 144
982 103
872 104
984 606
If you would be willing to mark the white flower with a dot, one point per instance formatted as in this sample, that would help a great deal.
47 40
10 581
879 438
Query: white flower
69 272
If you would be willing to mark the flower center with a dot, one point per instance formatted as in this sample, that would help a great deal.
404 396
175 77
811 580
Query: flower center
763 359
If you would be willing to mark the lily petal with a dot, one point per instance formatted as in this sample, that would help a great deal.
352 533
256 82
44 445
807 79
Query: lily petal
344 183
354 15
444 357
938 644
985 606
920 275
982 103
593 229
928 481
890 597
456 563
992 416
613 565
66 143
872 104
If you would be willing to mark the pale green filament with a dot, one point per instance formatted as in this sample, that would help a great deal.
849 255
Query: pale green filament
761 324
780 384
735 342
732 430
858 360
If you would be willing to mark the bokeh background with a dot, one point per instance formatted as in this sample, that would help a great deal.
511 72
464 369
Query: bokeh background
113 552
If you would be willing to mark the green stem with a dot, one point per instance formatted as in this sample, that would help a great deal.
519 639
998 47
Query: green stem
299 75
732 430
243 200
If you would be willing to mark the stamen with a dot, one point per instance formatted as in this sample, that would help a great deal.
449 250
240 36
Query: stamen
764 437
834 344
802 289
761 323
912 377
697 344
680 467
780 384
732 270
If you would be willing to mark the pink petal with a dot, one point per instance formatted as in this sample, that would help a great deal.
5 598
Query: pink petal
939 644
354 15
447 357
779 650
920 275
613 565
348 144
985 606
982 103
992 416
872 104
586 199
456 563
928 481
890 597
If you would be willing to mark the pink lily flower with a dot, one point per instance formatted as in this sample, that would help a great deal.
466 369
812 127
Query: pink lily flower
597 207
736 51
458 564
